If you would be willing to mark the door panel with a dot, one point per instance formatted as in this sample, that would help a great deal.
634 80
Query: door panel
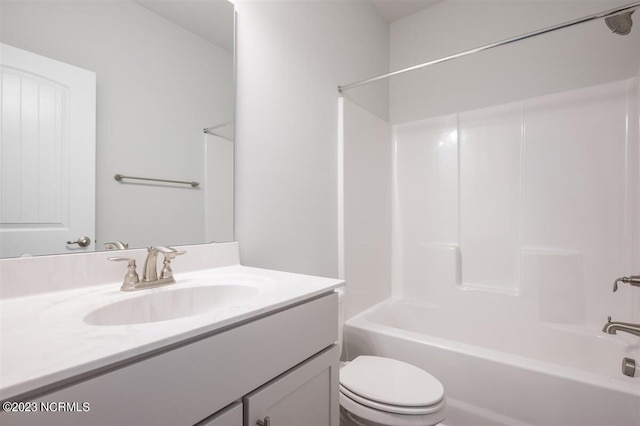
47 154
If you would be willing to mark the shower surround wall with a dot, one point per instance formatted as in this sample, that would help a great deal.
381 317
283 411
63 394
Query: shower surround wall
517 168
515 204
509 224
533 201
523 212
365 176
515 171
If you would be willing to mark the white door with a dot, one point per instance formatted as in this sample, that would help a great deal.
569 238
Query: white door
47 154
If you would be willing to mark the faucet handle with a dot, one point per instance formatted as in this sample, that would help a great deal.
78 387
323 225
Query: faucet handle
172 254
166 271
131 278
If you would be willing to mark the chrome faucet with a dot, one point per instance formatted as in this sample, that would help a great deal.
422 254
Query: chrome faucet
627 327
150 277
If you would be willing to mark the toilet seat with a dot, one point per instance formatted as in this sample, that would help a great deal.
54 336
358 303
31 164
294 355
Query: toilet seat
390 408
390 382
391 392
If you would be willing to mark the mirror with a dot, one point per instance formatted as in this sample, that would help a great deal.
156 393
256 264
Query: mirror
163 94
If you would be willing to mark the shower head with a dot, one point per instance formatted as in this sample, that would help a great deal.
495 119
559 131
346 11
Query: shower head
620 23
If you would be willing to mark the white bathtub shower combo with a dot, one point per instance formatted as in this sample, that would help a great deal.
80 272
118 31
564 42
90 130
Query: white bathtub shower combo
487 234
492 385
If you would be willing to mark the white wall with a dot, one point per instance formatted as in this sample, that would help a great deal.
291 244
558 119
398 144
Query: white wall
155 94
580 56
218 188
291 56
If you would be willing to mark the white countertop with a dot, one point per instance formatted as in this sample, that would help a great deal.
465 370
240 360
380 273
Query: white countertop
43 338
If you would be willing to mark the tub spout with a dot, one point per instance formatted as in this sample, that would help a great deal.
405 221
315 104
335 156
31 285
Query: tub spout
627 327
631 280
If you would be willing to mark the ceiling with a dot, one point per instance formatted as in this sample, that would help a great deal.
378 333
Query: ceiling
210 19
392 10
213 19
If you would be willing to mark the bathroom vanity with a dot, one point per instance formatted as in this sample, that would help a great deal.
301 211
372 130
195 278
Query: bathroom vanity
96 355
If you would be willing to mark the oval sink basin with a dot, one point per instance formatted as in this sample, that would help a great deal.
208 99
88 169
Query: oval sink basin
171 304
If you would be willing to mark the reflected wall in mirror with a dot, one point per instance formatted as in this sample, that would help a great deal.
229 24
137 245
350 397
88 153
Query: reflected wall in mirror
163 73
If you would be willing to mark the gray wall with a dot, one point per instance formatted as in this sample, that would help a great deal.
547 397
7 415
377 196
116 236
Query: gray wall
292 55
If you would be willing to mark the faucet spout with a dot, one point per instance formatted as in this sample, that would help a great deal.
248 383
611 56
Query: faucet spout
116 245
633 280
626 327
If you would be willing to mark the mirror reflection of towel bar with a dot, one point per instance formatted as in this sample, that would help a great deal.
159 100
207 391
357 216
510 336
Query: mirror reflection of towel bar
120 177
217 126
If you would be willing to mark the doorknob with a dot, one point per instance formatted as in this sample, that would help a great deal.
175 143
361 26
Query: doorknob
82 241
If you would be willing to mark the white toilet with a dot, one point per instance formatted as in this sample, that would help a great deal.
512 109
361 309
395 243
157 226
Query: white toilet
377 391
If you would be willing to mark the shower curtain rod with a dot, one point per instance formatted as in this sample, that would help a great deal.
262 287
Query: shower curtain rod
599 15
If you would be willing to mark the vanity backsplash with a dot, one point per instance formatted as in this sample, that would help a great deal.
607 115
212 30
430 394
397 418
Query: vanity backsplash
27 276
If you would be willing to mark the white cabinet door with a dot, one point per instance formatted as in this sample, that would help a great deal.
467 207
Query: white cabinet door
47 154
306 395
230 416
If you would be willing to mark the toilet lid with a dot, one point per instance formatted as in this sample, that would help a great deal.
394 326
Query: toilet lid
391 382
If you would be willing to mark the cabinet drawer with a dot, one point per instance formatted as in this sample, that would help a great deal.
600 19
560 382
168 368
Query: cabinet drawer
185 385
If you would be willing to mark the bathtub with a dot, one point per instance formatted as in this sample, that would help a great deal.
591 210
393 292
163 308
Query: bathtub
497 374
